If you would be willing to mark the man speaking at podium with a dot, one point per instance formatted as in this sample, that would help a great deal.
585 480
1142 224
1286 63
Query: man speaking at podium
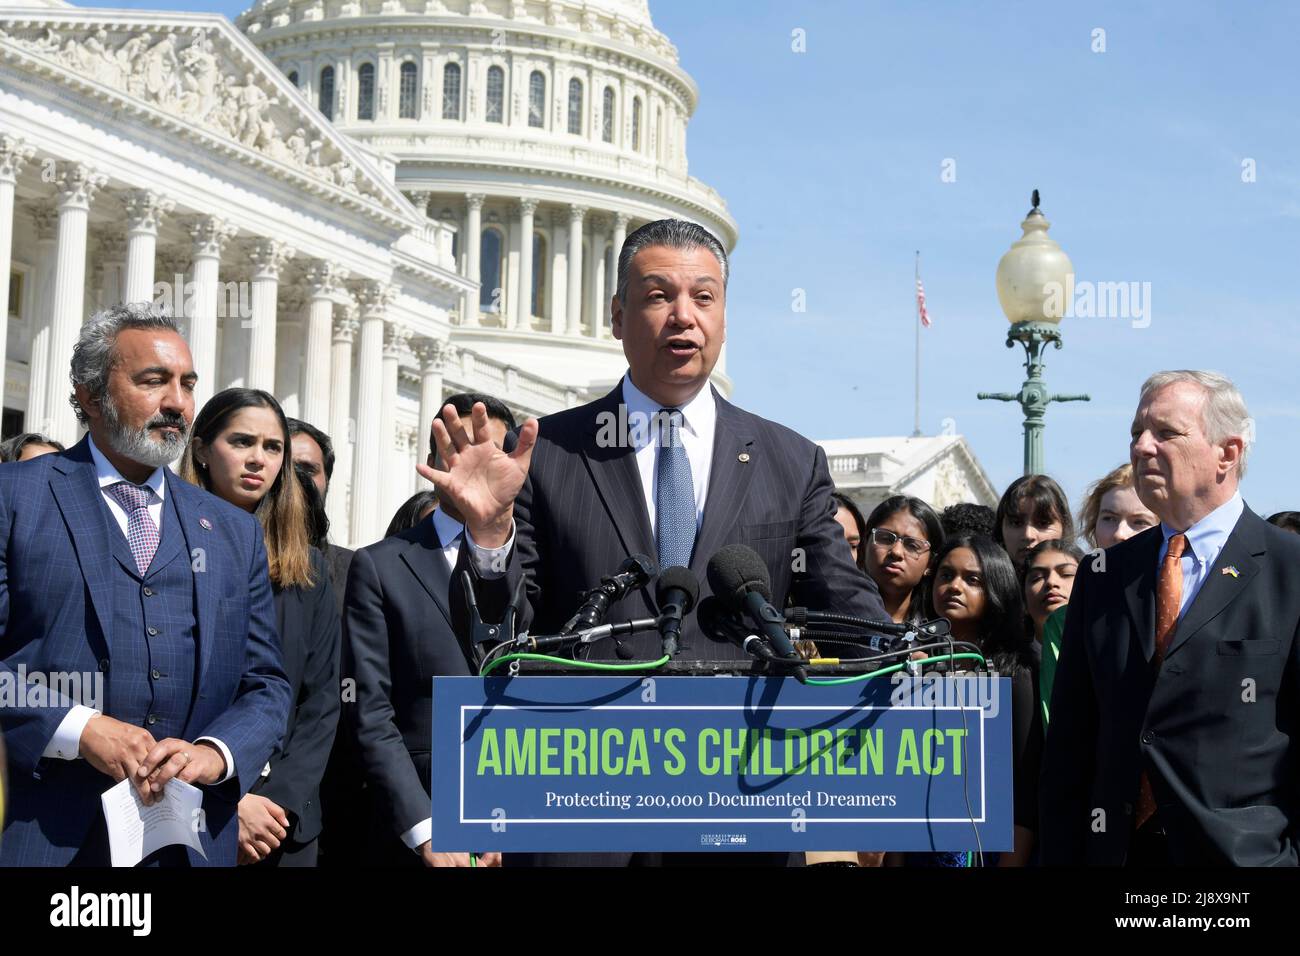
662 466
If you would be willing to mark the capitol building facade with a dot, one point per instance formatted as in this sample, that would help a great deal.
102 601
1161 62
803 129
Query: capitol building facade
360 206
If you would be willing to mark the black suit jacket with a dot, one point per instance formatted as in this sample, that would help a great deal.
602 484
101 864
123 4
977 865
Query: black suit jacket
398 628
309 640
582 511
1215 726
339 561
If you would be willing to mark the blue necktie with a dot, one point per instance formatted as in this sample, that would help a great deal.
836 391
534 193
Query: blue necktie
675 496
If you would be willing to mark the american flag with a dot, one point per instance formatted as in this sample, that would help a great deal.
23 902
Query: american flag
920 303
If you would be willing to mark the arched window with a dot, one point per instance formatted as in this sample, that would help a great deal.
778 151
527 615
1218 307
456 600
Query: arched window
636 124
406 91
366 91
451 91
293 77
325 96
496 94
539 274
489 297
537 99
575 106
607 115
659 133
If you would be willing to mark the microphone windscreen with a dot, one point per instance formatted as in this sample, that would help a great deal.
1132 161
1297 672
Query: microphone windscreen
678 577
736 570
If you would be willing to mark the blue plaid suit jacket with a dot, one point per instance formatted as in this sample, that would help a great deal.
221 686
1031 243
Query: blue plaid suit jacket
55 613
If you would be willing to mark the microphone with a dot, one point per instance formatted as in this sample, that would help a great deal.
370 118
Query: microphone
633 573
676 593
720 624
739 578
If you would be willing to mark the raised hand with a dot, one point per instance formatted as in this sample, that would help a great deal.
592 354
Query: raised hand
479 479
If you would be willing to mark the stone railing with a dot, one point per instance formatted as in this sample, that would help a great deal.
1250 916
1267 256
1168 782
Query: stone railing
863 469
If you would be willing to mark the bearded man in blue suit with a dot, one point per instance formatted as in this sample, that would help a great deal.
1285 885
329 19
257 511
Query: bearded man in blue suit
152 593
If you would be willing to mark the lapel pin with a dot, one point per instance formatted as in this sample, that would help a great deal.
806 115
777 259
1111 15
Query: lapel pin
205 524
1231 569
743 456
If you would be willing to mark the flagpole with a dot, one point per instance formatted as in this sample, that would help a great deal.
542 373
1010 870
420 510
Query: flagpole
916 420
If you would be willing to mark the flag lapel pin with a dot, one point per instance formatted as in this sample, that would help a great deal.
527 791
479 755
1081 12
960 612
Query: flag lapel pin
1231 569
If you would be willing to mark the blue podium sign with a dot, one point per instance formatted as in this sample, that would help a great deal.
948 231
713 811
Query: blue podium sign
728 763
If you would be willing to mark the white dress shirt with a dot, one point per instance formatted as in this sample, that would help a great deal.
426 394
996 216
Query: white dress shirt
1205 541
450 533
66 742
699 423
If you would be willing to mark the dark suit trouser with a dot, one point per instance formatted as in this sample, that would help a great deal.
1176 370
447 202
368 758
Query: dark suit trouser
1148 847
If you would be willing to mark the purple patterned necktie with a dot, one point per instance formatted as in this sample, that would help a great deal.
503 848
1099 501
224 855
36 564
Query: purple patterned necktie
141 532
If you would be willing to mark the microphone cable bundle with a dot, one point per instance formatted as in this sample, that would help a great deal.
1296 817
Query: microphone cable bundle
740 611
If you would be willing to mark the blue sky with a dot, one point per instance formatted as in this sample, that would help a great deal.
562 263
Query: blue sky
831 161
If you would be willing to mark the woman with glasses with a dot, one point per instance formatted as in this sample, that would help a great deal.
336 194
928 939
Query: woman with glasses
902 533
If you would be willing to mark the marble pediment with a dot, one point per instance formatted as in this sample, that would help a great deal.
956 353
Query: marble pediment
198 71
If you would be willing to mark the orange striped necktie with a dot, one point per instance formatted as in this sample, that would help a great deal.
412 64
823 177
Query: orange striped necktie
1169 597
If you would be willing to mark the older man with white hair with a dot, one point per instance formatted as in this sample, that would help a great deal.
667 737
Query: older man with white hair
1175 735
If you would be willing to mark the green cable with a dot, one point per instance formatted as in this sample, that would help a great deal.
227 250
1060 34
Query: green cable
833 681
590 665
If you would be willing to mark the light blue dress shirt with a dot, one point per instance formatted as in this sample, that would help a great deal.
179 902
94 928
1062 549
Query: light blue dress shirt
1205 541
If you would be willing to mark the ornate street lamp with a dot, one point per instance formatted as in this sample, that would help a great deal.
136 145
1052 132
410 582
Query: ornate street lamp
1035 286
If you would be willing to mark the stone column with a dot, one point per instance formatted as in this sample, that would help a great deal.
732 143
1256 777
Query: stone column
289 350
340 416
209 235
473 252
574 293
322 288
391 479
45 215
373 298
621 219
14 154
420 200
76 186
434 355
269 257
144 212
521 312
596 279
559 271
107 275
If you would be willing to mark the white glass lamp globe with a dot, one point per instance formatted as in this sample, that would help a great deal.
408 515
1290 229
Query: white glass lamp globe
1035 278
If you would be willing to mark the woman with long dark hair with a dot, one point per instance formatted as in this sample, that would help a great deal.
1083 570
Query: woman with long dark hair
902 534
1048 580
239 450
1032 509
976 589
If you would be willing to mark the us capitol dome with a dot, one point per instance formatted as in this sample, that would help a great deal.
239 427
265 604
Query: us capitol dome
540 133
